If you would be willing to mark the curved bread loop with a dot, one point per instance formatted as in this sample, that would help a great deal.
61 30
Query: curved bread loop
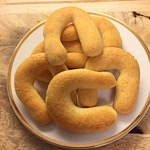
87 31
109 33
75 59
110 37
128 80
25 76
74 118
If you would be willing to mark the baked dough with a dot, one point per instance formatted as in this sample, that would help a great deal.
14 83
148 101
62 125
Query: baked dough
87 31
127 87
25 76
72 117
109 33
76 58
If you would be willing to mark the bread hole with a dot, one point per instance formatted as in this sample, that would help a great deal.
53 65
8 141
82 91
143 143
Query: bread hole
106 96
41 88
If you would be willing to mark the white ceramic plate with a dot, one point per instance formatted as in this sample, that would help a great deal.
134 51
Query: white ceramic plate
55 134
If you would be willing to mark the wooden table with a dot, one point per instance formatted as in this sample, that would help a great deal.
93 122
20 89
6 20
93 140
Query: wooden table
17 17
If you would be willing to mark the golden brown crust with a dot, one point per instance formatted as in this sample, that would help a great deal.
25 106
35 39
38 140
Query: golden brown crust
24 80
73 61
109 33
46 75
73 46
129 76
67 35
110 38
25 76
40 48
76 60
87 31
87 97
74 118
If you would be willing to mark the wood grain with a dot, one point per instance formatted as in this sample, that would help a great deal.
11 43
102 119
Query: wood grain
17 18
98 6
62 1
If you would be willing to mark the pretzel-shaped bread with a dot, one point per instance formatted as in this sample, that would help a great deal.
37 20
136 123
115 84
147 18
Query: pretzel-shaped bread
74 40
74 59
25 76
110 38
71 117
90 38
128 80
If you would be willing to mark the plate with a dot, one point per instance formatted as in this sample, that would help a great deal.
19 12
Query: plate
53 133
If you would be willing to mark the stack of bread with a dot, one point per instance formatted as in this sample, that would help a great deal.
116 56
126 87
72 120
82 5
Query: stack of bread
74 57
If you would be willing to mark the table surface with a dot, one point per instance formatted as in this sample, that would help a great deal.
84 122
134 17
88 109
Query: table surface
17 17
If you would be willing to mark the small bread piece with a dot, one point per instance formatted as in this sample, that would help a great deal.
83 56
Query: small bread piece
67 35
71 117
76 60
87 31
73 46
25 76
127 87
87 97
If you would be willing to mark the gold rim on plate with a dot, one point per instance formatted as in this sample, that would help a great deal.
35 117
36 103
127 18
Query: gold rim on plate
67 145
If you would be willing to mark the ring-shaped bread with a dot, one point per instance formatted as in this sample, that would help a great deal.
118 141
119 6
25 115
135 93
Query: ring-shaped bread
87 31
72 117
25 76
127 87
